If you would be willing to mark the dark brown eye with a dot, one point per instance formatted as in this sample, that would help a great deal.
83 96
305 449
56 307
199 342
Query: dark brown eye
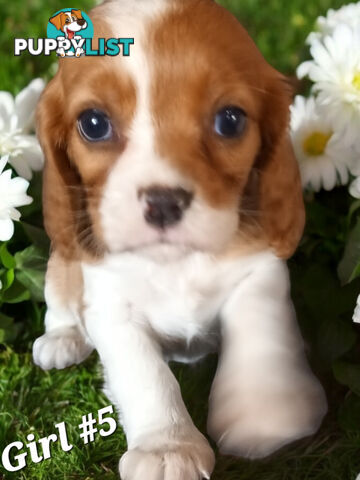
95 126
67 20
230 122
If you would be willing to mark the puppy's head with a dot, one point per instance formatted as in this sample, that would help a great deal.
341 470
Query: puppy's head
69 22
182 143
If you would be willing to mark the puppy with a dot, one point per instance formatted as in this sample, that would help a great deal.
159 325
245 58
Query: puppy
69 23
172 199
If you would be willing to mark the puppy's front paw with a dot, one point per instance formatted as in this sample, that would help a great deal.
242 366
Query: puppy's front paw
80 52
162 457
255 422
60 348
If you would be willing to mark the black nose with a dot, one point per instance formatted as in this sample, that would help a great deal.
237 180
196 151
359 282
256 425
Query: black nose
80 22
165 206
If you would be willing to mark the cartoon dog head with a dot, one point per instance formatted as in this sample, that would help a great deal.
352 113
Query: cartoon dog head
69 22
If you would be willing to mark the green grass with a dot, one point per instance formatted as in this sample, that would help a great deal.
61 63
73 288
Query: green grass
34 401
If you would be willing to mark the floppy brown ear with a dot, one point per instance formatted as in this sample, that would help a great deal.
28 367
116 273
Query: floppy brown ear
63 194
77 13
58 20
282 213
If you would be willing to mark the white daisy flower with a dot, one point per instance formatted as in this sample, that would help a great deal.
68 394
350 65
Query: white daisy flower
348 14
16 129
356 319
354 188
335 70
323 158
355 164
12 195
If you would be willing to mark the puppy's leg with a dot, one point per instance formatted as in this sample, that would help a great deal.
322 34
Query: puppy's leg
65 341
163 443
264 394
79 50
60 52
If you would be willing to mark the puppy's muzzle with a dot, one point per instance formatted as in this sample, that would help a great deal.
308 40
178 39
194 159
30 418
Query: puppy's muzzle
164 207
81 22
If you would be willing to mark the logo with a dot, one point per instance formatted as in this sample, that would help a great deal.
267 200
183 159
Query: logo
70 33
70 27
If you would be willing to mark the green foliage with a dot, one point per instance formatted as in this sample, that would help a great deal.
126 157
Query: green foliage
280 27
26 20
22 269
349 267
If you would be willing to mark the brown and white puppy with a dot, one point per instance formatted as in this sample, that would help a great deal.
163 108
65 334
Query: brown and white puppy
172 199
69 23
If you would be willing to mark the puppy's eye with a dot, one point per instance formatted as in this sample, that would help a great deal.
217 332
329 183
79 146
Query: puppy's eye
95 126
230 122
67 20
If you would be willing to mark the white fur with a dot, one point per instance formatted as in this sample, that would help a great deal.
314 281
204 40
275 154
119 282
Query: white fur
264 394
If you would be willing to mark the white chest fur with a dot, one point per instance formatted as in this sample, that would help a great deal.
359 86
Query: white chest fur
179 298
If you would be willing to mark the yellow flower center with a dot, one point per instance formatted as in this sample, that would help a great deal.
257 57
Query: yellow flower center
315 144
356 80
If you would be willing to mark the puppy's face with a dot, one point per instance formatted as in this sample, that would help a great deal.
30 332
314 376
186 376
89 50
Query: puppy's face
69 22
182 143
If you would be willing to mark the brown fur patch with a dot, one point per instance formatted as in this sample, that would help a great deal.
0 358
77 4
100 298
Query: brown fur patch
65 277
204 60
75 170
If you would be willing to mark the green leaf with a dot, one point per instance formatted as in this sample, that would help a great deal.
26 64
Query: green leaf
348 374
349 414
349 266
334 338
31 258
30 270
37 236
7 279
8 329
5 321
353 209
6 258
34 281
17 293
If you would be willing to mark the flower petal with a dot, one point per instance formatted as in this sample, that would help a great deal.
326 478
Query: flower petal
3 162
7 110
354 188
21 167
25 103
6 229
33 154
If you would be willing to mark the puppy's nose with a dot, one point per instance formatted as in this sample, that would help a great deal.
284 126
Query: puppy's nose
81 22
165 206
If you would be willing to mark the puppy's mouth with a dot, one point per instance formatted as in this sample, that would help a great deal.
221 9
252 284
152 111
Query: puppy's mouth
70 34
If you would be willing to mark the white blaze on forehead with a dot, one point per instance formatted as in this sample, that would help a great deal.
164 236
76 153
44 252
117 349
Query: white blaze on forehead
131 19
